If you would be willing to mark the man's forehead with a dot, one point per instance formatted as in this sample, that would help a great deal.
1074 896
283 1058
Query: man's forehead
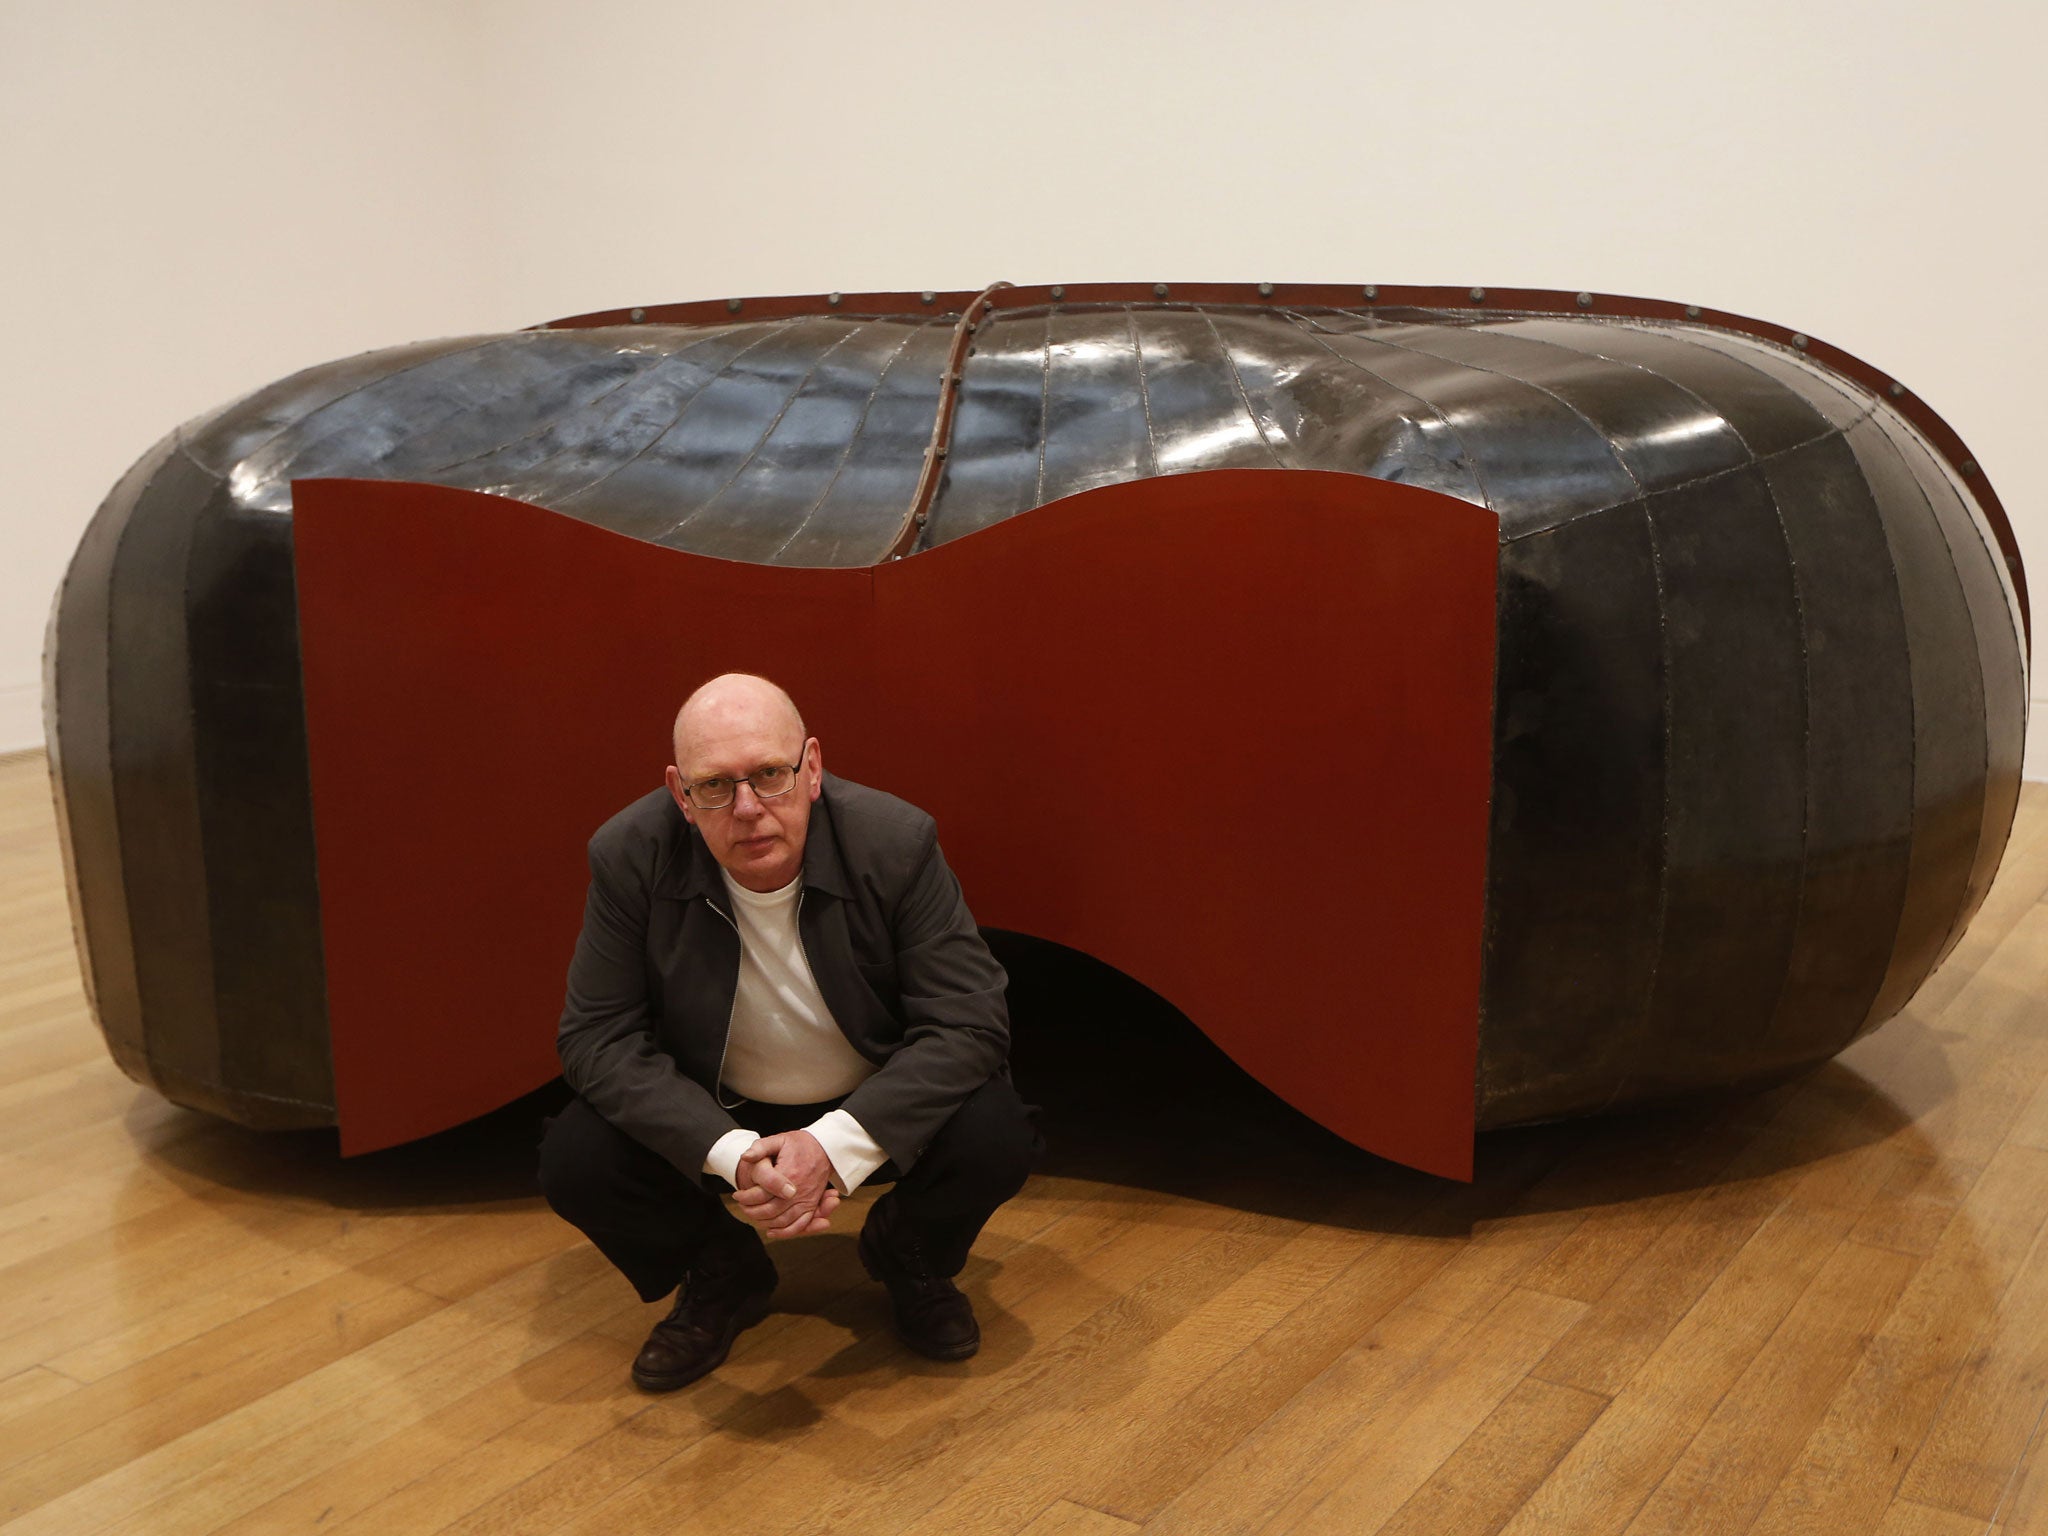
737 722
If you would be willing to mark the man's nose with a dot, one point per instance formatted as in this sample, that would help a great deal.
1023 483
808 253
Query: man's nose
744 801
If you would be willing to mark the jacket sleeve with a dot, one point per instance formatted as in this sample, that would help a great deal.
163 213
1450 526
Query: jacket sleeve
956 1021
610 1056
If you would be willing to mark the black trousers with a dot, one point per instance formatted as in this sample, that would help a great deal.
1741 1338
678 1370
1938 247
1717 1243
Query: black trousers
650 1218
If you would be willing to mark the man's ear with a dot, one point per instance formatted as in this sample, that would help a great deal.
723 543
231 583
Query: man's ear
675 788
817 768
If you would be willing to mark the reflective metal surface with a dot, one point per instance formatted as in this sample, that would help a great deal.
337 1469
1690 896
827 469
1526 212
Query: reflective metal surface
1761 693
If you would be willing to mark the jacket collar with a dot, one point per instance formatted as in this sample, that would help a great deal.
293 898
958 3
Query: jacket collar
692 872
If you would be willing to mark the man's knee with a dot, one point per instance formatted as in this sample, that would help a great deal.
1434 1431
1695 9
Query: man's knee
992 1135
583 1157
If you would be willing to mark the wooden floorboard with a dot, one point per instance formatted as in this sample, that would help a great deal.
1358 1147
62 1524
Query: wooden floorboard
1818 1309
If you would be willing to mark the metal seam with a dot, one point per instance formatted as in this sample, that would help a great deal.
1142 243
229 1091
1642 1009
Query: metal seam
852 440
1842 433
1144 389
658 374
1464 453
1044 409
301 449
1756 463
1630 1051
560 501
1243 395
640 376
141 1050
1864 1024
2008 593
795 394
356 389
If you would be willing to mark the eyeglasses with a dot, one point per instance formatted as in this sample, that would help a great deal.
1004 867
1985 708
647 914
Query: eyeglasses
767 781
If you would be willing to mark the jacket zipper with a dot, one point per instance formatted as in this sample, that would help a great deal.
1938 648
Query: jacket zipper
725 1045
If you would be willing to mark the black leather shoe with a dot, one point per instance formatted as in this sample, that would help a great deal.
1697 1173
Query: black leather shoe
726 1290
931 1315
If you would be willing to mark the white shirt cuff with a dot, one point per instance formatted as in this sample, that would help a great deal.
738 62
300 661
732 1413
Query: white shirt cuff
724 1157
852 1150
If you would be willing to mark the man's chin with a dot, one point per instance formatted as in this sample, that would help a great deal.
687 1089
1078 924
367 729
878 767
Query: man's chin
762 866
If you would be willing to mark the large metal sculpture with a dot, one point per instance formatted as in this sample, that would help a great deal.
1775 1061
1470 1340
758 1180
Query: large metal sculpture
1467 707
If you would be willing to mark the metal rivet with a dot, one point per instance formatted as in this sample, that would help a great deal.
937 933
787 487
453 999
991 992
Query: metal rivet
928 296
1478 295
1585 301
734 305
1372 292
1059 291
833 299
1159 289
957 376
939 452
1265 290
1898 389
636 315
1692 311
1969 466
922 519
1800 342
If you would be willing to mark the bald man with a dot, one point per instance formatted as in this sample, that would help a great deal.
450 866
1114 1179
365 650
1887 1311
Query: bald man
777 997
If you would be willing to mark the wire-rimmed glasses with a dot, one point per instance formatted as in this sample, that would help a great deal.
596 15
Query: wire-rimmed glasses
767 781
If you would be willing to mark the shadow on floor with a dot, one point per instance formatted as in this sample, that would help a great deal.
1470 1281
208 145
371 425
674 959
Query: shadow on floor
1132 1094
487 1161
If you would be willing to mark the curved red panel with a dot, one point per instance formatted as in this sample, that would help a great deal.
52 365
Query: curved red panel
1228 732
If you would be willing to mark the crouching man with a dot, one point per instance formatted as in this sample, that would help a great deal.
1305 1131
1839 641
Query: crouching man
778 996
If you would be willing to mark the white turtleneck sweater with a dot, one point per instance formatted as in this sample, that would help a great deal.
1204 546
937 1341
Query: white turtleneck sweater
784 1047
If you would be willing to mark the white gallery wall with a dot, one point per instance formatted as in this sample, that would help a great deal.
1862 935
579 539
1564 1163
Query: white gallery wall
200 198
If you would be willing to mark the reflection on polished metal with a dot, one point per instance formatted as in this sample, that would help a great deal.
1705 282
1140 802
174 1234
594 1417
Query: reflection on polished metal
1760 693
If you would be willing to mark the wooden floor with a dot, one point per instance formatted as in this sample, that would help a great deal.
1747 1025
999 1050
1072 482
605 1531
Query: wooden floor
1823 1309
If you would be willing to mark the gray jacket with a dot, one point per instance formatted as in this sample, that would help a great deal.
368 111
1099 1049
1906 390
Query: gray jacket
888 936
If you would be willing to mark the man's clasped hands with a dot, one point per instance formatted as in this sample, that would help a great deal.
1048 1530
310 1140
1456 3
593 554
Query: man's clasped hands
785 1185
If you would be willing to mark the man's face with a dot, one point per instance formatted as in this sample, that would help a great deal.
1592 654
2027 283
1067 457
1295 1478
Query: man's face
759 842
